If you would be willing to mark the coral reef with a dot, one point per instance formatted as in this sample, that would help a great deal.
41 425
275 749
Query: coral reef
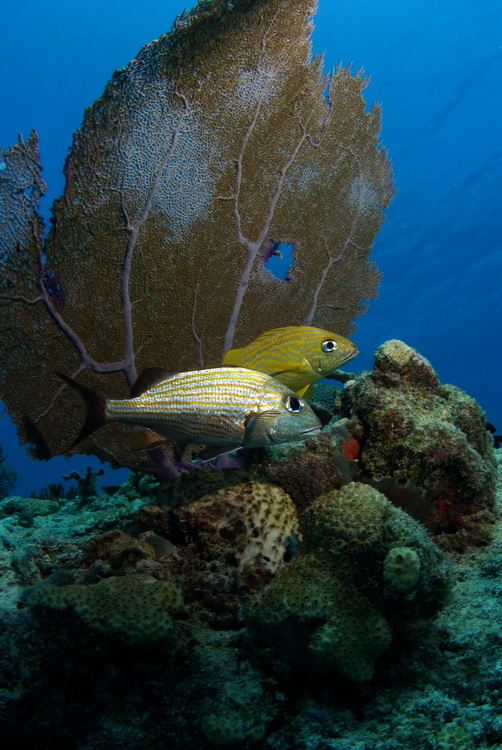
366 565
317 467
258 522
320 620
288 605
126 608
299 603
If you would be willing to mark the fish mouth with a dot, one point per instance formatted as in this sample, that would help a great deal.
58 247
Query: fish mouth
350 356
307 432
311 431
317 366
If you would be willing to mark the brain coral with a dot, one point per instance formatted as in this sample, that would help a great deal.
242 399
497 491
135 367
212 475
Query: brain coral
335 603
129 609
358 528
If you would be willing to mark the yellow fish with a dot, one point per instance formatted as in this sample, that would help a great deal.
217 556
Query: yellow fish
297 356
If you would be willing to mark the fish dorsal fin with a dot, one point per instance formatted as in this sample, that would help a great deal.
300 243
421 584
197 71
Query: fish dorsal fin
273 333
306 391
231 357
148 378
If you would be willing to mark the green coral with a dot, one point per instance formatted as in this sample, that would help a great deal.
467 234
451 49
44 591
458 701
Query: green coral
318 619
132 610
335 603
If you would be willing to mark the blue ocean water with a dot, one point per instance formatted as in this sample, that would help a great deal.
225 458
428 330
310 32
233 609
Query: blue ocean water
436 68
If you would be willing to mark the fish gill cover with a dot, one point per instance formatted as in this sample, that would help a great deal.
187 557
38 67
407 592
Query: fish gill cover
220 137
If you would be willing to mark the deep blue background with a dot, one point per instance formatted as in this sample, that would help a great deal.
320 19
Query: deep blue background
437 69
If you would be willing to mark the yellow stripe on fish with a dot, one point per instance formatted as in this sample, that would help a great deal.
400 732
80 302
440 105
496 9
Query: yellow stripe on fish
228 407
298 356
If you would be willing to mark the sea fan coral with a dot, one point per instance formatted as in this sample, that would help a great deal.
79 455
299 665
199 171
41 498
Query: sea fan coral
218 136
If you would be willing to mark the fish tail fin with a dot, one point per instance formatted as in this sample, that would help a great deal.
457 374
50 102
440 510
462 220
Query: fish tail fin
232 356
96 408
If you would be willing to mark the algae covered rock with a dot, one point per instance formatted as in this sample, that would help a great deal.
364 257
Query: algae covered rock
435 435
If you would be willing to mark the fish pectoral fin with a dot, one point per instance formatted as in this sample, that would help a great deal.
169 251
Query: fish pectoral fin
277 374
295 368
148 378
306 391
145 439
258 426
232 356
212 451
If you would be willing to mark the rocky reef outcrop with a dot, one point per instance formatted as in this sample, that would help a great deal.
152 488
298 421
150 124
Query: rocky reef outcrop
327 589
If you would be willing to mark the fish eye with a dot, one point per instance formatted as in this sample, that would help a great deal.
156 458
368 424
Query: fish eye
329 346
294 404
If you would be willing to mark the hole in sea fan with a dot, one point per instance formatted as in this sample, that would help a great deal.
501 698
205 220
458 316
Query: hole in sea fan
55 290
278 258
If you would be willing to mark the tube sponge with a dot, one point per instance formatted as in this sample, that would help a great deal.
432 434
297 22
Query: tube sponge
402 568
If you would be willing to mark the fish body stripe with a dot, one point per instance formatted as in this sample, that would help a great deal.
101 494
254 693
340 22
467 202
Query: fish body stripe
211 404
280 346
294 354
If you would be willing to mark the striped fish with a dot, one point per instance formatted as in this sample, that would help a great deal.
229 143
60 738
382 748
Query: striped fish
298 356
227 407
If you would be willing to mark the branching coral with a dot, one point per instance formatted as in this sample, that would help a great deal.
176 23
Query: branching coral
87 484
